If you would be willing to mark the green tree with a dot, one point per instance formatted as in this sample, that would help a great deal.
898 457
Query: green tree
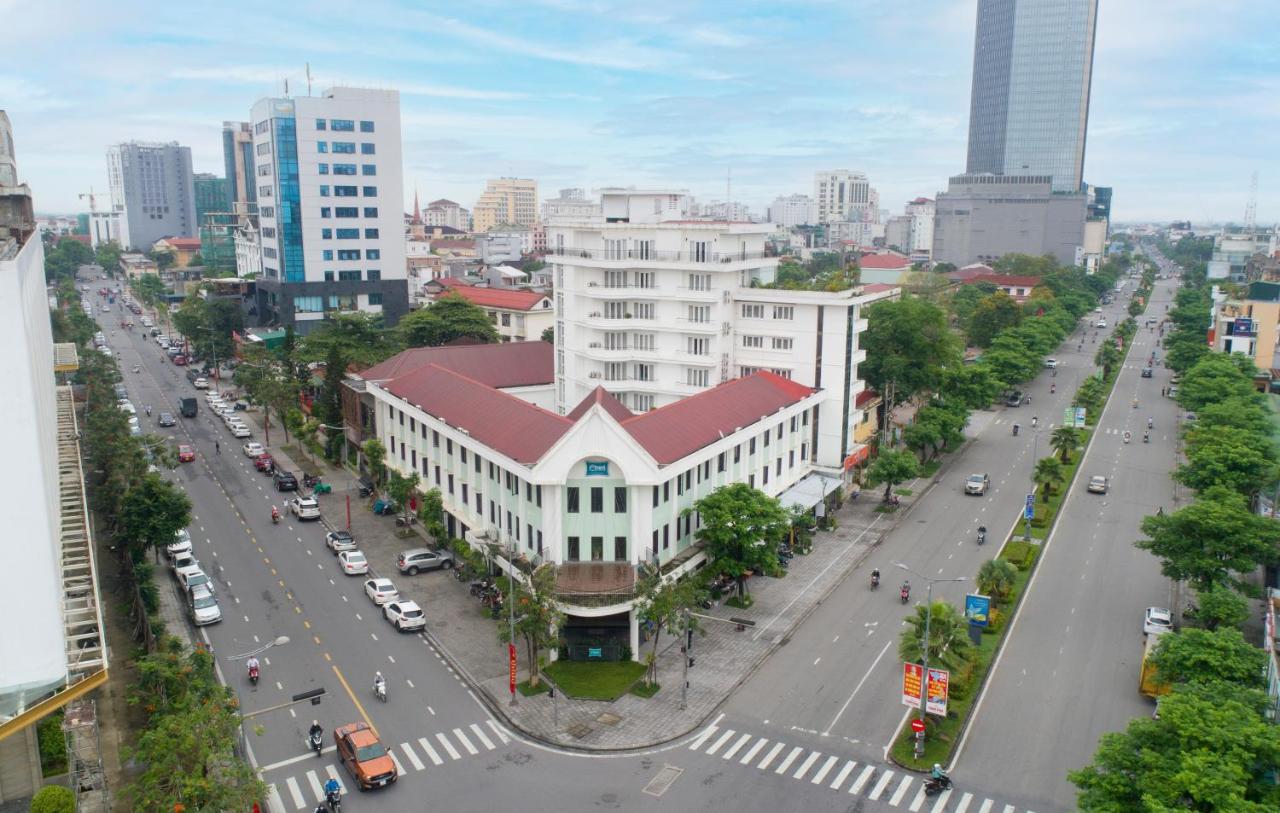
328 407
973 385
908 344
1107 357
400 488
890 468
432 514
1025 265
964 302
1244 414
996 578
549 335
1010 360
1210 750
53 799
360 337
949 644
1214 541
150 289
1224 456
741 529
1214 379
163 259
1220 606
196 261
108 256
992 314
538 617
1064 440
151 513
450 318
1048 473
375 455
664 604
1203 656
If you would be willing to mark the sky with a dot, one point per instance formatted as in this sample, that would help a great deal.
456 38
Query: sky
753 97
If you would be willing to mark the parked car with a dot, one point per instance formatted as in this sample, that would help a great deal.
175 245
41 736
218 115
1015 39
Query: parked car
181 543
339 541
253 449
304 507
405 615
1014 398
284 481
240 430
1051 364
264 462
380 591
183 564
364 756
353 563
201 383
195 578
1157 620
418 559
1098 484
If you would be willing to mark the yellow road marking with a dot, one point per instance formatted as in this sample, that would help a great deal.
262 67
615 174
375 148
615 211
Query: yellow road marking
355 700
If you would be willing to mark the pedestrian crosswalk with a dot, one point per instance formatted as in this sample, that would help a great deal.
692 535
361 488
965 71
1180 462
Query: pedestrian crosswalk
306 789
879 783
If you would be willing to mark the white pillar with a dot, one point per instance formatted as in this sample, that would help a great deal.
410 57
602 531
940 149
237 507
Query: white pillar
635 634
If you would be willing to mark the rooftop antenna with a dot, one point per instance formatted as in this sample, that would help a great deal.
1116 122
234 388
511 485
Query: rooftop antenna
308 78
1251 208
286 87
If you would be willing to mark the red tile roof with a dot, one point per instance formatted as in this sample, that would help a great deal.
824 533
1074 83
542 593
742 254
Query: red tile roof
451 244
184 243
516 428
865 397
884 261
494 297
877 287
1009 280
679 429
605 399
512 364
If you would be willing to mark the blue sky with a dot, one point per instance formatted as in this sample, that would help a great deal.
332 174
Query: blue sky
1186 102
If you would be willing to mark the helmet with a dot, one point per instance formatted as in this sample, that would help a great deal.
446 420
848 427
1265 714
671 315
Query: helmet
315 722
377 674
937 766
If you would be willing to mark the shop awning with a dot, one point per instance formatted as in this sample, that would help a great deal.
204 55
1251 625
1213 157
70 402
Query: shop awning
857 456
809 492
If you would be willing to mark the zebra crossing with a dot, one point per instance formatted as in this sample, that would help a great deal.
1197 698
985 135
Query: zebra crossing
881 783
306 790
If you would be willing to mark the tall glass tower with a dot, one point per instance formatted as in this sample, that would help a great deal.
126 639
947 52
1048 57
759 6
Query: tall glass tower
1032 68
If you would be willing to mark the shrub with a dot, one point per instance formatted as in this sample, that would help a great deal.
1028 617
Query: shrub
54 799
53 746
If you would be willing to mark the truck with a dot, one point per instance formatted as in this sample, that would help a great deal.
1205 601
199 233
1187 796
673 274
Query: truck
188 407
1148 684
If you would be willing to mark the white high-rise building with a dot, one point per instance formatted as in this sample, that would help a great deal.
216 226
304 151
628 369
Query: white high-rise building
921 211
839 194
655 307
792 210
330 203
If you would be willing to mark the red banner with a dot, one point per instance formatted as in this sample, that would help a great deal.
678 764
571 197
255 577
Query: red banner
912 677
511 654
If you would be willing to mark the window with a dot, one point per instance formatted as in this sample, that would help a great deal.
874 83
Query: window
791 459
268 232
697 346
344 147
700 282
450 483
343 169
804 418
466 498
342 125
371 234
267 211
753 341
720 462
597 500
655 542
324 190
375 298
804 448
323 169
666 536
327 254
328 276
479 463
366 148
370 191
373 254
366 127
573 499
308 304
597 548
655 496
346 211
348 234
537 496
264 191
326 234
751 448
766 438
778 468
368 169
462 454
781 373
620 500
786 312
737 453
766 476
794 419
666 491
325 211
321 146
779 431
265 148
373 275
435 439
319 124
372 211
696 378
344 191
575 551
619 549
753 311
700 313
349 276
782 344
348 254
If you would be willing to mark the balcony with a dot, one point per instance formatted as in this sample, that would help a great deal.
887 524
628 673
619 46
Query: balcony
630 257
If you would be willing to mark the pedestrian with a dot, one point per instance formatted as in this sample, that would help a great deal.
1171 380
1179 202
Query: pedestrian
217 447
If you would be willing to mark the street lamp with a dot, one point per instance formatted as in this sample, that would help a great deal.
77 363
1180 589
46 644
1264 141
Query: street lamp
281 641
924 667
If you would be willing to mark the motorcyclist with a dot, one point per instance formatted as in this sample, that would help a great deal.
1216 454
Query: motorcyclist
1035 421
906 588
1016 427
275 514
1146 437
253 666
1150 422
316 730
875 577
982 532
937 773
332 790
1053 388
148 409
379 684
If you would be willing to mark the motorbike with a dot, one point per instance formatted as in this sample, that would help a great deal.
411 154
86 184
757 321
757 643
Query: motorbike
1053 388
893 499
905 594
982 535
310 480
1146 437
275 517
1015 430
317 743
1126 437
334 799
380 690
932 786
253 675
875 581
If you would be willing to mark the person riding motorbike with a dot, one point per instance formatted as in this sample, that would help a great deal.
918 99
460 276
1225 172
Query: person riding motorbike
332 792
316 731
1150 422
905 592
275 515
1146 437
1035 421
875 578
937 773
982 534
1053 388
1016 427
148 409
253 667
1127 436
379 685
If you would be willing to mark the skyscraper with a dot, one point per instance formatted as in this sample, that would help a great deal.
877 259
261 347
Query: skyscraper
237 156
1032 71
152 188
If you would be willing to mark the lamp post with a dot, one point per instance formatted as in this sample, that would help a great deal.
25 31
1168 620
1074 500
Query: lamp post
281 641
924 667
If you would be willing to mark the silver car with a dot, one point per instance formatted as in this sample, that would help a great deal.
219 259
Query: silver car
203 606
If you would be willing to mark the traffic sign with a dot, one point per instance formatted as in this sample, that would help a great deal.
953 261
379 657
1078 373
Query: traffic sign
917 725
1030 511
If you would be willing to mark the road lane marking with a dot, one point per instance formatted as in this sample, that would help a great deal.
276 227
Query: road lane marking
1009 809
964 803
417 763
843 775
824 770
497 729
400 771
918 801
902 791
743 740
274 802
703 737
723 739
755 749
355 700
431 752
466 743
484 740
448 746
773 752
786 763
880 785
316 788
865 675
806 765
986 806
298 800
333 774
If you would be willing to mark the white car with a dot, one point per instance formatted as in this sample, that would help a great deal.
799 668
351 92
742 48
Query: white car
185 565
1102 323
239 430
380 591
181 543
127 406
189 578
1051 364
1156 621
339 541
253 448
405 615
353 563
204 606
201 383
305 507
212 398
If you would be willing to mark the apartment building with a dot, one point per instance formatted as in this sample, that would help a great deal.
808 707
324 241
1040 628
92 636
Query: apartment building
506 201
839 194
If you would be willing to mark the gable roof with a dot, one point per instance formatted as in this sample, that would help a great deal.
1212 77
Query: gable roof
606 400
1008 280
511 364
886 261
184 243
515 427
494 297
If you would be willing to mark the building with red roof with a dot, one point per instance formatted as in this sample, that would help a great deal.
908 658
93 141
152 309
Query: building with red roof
519 316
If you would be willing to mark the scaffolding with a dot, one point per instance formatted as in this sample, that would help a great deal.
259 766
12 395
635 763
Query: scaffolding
84 757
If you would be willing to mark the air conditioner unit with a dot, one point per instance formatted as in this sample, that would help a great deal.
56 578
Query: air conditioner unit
593 285
593 375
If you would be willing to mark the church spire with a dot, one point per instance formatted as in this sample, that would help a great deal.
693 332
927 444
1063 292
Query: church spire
417 212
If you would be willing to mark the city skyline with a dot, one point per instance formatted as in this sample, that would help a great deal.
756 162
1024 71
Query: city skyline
574 93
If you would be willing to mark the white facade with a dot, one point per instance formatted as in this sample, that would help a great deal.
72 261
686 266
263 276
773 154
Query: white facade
445 212
506 246
506 201
921 211
333 233
248 242
656 308
839 194
105 227
573 204
792 210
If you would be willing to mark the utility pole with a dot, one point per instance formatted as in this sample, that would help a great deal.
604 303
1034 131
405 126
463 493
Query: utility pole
688 654
924 649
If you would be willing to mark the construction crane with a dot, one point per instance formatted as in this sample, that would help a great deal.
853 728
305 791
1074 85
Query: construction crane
1251 208
93 203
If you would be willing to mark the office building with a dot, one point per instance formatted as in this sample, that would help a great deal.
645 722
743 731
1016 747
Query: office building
1249 325
330 206
792 210
980 218
445 212
237 156
152 188
657 307
1032 73
839 194
506 202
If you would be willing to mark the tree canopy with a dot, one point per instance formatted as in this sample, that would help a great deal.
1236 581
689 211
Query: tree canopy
741 529
909 344
450 318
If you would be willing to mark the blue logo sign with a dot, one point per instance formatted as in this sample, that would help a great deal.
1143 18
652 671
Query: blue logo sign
977 609
595 652
1030 512
597 468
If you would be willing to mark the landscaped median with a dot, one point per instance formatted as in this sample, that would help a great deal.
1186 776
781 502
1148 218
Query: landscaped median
1005 578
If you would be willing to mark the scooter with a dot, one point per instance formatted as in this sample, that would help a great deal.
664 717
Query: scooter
317 743
1126 437
380 690
875 581
982 534
1053 388
310 480
275 517
932 787
253 675
1146 437
1016 427
904 594
334 799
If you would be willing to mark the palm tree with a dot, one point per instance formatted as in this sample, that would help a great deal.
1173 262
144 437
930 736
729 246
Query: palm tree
1064 441
1048 472
996 578
949 643
1106 358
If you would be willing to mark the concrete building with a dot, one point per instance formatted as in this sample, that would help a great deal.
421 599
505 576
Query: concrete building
237 156
183 249
105 227
922 212
897 233
445 212
153 191
506 202
1032 73
503 245
518 316
213 195
839 194
657 307
330 205
1250 326
980 218
725 210
248 242
1233 249
53 651
792 210
573 204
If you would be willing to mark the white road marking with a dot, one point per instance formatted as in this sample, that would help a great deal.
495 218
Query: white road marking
703 737
400 771
755 749
274 802
986 806
417 763
497 729
295 792
485 741
466 743
431 752
408 682
941 804
733 749
1009 809
880 785
843 775
373 636
791 757
279 687
918 801
448 746
773 752
815 660
806 765
824 770
901 791
723 739
964 803
393 660
316 788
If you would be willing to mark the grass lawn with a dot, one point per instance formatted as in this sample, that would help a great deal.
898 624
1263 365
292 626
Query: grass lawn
595 680
528 691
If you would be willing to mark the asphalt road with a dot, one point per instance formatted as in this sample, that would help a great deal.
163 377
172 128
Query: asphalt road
1069 671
